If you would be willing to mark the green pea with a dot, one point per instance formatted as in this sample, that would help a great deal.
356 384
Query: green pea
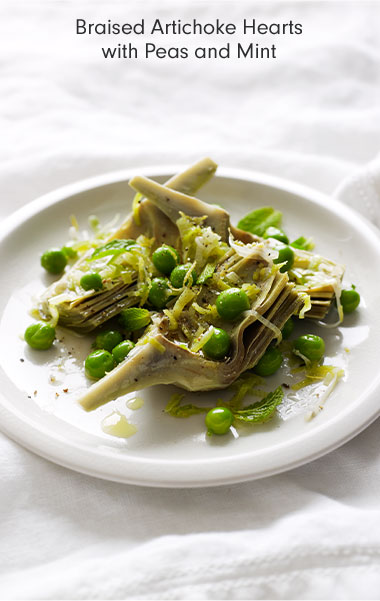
40 336
159 293
91 281
231 303
99 363
218 345
350 300
219 420
277 234
310 346
178 275
269 362
122 350
54 260
285 255
108 340
165 258
288 328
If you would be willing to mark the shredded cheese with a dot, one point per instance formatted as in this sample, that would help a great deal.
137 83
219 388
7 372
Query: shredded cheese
301 356
173 324
306 304
200 341
174 314
199 309
277 332
256 249
185 297
337 291
331 380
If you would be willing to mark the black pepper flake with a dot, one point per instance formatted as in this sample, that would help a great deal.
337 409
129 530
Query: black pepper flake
22 360
175 358
285 385
136 380
29 397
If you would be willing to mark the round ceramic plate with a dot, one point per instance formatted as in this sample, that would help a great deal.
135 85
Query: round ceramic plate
38 405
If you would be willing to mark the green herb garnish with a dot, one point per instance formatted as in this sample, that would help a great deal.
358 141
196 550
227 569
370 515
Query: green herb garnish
206 274
134 318
258 412
114 247
258 221
263 410
175 409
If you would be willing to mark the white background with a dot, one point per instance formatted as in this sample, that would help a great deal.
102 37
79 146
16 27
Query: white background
311 115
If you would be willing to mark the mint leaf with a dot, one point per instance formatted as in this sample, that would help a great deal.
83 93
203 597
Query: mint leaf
114 247
257 413
207 272
134 318
244 385
261 411
175 409
259 220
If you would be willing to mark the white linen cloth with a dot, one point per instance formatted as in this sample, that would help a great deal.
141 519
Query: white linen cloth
312 115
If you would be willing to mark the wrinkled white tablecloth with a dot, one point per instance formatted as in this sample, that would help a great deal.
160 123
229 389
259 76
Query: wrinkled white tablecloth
312 115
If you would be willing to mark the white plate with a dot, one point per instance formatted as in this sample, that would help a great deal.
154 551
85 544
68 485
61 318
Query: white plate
166 451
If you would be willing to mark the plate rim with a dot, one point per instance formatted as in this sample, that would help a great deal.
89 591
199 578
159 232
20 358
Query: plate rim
50 445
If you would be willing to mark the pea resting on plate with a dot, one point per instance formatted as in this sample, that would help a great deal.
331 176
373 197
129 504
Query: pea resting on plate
98 364
108 340
350 300
310 346
219 420
54 261
40 336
